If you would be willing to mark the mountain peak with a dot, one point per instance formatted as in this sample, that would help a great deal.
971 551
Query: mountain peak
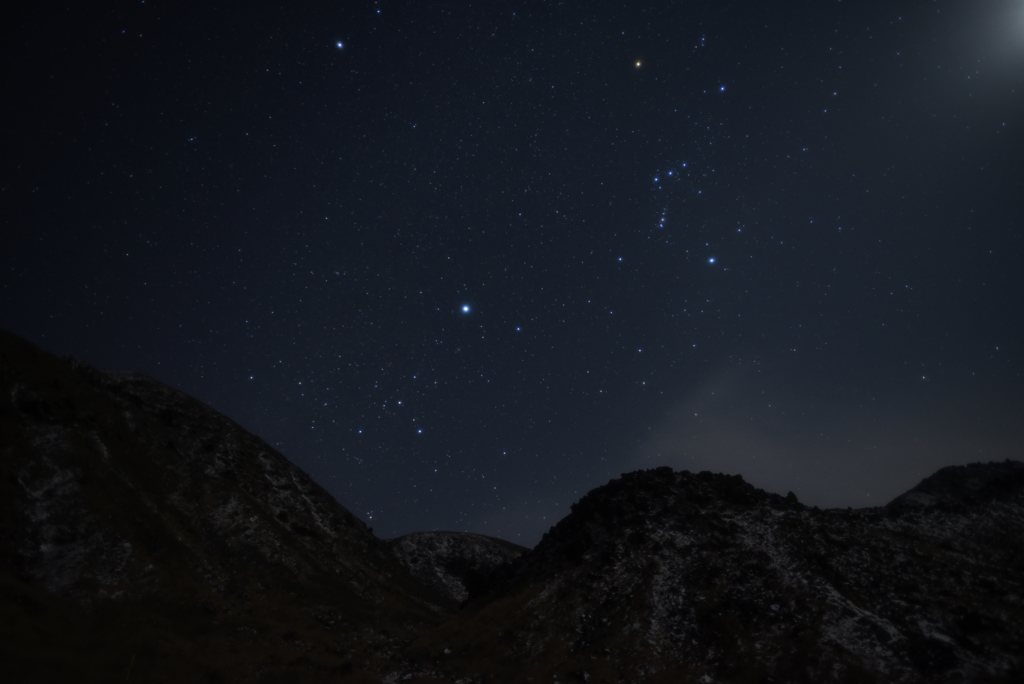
966 485
126 498
680 576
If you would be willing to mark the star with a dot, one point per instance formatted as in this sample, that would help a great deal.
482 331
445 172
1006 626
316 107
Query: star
465 308
340 45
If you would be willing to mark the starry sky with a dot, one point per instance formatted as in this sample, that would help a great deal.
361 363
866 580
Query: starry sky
464 261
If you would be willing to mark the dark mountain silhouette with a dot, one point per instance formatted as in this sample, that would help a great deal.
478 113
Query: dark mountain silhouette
146 537
666 576
142 529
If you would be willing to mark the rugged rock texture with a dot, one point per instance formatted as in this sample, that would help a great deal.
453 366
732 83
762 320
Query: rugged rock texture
146 537
460 565
140 528
664 576
959 488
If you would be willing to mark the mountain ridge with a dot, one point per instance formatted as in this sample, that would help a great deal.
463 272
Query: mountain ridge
125 493
703 575
144 535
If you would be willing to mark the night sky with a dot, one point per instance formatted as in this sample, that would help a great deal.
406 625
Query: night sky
463 262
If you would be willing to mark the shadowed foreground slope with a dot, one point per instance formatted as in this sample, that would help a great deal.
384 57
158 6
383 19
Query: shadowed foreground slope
142 529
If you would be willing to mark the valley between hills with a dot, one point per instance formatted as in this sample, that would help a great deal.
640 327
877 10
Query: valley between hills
145 537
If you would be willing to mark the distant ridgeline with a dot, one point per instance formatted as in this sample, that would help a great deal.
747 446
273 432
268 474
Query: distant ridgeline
146 537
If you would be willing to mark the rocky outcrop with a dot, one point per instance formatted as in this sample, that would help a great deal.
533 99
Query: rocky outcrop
958 488
459 564
676 576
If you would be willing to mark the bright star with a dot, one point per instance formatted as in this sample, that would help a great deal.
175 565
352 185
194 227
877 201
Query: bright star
465 308
340 45
711 260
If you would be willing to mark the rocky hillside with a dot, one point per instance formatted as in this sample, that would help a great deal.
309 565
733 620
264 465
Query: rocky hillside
146 537
673 576
458 564
141 529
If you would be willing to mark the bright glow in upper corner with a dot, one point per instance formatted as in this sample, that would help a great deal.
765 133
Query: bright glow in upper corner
995 30
1017 20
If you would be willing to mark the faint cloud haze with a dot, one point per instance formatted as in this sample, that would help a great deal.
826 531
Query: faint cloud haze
830 447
